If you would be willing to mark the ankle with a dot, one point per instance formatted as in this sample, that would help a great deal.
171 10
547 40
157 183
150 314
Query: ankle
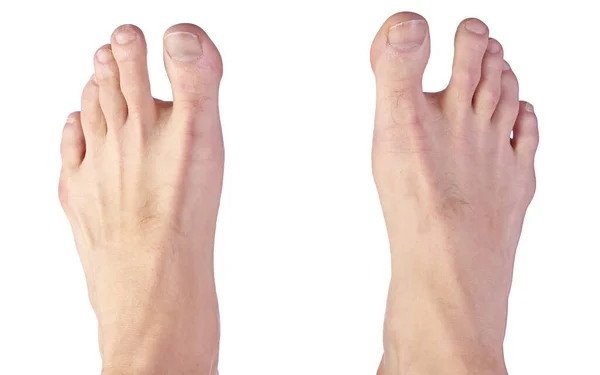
161 349
435 363
438 353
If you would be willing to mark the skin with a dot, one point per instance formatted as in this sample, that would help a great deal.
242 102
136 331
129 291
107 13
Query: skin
141 184
454 187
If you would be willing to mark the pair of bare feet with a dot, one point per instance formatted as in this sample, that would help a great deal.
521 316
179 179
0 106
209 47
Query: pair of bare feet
141 183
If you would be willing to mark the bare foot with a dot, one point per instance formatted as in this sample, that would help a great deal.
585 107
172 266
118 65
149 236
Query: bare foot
454 188
140 185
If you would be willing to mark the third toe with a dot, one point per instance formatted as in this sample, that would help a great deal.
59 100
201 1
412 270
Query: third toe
112 101
489 89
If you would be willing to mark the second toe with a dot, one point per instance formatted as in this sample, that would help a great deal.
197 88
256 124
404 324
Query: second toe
129 49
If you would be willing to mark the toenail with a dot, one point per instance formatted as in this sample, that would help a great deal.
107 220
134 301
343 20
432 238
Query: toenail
408 34
104 55
93 79
125 35
476 26
70 120
183 46
493 46
529 107
506 66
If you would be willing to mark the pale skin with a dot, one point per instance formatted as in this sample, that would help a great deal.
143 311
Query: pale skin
141 183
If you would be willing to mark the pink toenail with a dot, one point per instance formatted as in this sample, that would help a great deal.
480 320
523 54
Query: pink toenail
183 46
93 79
407 35
529 107
493 46
506 66
104 55
70 120
476 26
125 35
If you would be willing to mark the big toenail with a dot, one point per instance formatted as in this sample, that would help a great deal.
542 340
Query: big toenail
476 26
407 35
493 46
104 55
125 35
183 46
529 107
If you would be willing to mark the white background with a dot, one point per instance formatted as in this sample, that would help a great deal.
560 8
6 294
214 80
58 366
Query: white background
302 258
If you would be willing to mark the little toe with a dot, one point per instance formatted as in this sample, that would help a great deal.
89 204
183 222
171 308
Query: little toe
92 118
525 132
194 67
399 56
112 102
72 147
470 44
506 112
129 50
489 89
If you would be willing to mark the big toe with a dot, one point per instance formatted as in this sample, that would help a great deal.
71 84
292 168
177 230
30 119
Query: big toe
193 65
399 56
195 68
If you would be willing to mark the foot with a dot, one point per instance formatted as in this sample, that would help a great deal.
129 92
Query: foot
455 175
140 185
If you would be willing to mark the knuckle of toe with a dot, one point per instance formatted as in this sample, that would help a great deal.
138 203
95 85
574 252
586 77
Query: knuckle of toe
468 78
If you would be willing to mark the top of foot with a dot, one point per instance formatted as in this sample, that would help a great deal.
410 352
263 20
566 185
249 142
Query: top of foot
140 184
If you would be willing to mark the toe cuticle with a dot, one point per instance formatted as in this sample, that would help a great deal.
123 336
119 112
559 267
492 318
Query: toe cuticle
183 46
407 35
125 35
476 26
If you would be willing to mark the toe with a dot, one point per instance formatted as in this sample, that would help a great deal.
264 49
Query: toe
92 118
399 55
112 101
72 147
506 112
489 89
525 133
470 46
194 67
129 50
